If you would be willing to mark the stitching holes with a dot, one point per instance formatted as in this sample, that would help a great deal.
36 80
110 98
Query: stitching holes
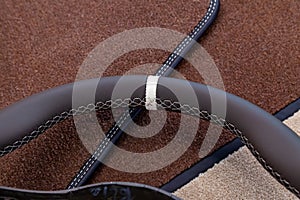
99 150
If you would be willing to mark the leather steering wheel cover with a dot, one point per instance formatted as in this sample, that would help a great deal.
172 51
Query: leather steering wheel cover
23 117
272 143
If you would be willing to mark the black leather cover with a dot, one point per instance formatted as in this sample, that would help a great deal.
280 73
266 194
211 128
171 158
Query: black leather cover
275 145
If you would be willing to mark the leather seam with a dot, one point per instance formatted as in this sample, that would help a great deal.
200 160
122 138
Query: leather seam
98 151
165 104
187 40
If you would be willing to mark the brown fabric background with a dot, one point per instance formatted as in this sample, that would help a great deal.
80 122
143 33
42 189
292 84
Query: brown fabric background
255 45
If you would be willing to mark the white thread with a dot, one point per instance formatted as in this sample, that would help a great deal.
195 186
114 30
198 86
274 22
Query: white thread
99 150
195 112
184 43
165 67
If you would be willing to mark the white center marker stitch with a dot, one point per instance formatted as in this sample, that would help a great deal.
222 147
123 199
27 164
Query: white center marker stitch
151 86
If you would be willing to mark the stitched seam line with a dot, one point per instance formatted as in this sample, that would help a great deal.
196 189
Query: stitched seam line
184 108
187 40
164 68
58 118
99 150
222 122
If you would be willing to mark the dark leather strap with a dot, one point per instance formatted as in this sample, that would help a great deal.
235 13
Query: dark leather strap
275 146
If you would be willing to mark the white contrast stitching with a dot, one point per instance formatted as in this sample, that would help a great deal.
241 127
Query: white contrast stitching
164 104
187 40
98 151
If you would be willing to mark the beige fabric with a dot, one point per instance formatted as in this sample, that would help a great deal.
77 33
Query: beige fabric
239 176
294 122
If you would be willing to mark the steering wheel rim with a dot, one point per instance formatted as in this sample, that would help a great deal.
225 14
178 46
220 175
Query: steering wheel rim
273 144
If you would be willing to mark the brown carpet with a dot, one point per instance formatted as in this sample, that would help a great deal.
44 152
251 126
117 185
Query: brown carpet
255 45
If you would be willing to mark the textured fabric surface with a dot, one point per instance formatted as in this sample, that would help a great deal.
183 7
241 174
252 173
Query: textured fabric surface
239 176
255 45
294 122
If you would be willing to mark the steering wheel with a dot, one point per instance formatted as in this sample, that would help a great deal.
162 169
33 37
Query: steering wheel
273 144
